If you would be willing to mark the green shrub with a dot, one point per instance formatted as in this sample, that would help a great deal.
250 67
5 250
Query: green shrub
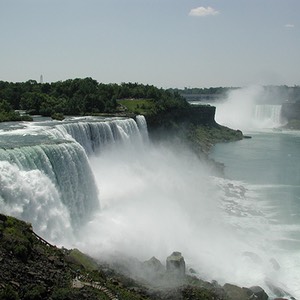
58 116
35 292
9 294
61 294
21 251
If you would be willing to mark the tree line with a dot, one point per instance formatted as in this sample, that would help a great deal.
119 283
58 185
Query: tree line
289 93
79 97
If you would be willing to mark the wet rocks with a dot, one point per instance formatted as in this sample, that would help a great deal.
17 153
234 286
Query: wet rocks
234 292
154 265
259 293
176 264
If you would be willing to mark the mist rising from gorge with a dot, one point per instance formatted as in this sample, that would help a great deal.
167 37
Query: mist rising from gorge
157 199
250 108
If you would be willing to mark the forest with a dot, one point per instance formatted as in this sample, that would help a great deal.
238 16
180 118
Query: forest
78 97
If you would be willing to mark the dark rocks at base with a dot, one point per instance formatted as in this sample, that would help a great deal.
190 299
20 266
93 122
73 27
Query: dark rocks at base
176 264
234 292
259 293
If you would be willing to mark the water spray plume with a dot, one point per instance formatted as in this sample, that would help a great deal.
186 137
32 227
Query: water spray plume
250 108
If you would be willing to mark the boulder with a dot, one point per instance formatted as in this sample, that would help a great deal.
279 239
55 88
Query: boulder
235 292
154 265
176 264
259 293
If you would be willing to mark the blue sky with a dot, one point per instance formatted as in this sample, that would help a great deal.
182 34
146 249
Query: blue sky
168 43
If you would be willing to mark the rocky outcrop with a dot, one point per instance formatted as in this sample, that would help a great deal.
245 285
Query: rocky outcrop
259 293
154 265
176 264
190 114
234 292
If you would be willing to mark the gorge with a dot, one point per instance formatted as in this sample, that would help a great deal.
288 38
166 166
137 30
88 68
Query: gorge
100 185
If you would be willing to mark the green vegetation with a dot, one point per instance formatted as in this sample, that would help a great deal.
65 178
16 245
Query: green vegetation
57 116
82 97
138 106
8 293
17 238
203 137
8 114
80 259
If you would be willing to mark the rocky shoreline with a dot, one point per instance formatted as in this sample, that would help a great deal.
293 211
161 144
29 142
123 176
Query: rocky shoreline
31 268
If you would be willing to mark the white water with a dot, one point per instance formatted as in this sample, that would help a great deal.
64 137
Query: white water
54 186
31 196
244 109
266 168
155 199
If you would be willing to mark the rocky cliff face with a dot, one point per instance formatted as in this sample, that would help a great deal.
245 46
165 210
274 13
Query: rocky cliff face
197 115
176 264
291 111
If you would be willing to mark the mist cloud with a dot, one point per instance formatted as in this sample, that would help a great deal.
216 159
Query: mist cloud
203 11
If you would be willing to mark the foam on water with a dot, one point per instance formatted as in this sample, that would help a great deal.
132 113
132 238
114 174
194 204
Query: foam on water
32 196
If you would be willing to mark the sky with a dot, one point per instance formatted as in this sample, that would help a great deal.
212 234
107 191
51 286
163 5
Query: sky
166 43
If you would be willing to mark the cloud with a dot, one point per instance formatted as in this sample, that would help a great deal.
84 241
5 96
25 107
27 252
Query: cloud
289 25
203 11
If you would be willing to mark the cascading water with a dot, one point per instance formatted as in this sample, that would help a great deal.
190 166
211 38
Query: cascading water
268 115
55 188
94 135
32 196
242 109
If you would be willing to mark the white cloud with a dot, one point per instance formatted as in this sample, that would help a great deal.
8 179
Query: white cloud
289 25
203 11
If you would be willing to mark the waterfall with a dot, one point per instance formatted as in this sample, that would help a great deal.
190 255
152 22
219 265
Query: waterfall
142 125
32 196
45 173
95 135
67 167
268 115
